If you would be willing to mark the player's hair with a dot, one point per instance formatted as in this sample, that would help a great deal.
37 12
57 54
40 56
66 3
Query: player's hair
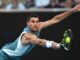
33 15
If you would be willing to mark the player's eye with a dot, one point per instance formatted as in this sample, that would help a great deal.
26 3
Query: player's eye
33 21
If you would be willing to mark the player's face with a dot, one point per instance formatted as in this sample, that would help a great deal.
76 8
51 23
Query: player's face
33 23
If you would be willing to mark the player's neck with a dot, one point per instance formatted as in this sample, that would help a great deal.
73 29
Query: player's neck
33 32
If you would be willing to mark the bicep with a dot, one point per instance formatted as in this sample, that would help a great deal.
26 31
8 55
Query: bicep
33 39
48 23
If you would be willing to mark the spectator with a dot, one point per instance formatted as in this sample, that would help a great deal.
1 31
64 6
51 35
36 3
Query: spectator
41 3
15 4
76 2
53 4
60 4
29 3
4 3
66 3
0 3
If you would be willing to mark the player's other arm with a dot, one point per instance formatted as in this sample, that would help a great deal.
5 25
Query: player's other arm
35 40
60 17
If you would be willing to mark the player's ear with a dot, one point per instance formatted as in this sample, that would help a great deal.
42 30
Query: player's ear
27 23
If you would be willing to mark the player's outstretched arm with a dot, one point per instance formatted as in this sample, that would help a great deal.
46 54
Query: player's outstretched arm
60 17
33 39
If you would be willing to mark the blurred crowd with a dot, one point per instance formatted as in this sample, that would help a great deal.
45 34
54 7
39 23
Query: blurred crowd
26 4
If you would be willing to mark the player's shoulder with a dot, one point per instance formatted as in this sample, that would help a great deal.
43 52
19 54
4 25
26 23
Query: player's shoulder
27 34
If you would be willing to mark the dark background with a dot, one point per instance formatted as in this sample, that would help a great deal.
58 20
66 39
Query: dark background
12 24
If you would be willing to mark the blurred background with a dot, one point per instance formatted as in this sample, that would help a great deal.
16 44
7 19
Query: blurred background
33 4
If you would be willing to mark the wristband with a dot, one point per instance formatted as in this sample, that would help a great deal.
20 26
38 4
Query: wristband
49 44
